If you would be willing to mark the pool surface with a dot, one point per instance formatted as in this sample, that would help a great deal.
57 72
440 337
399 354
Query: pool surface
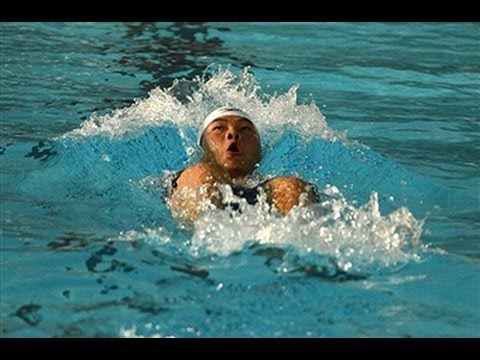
383 118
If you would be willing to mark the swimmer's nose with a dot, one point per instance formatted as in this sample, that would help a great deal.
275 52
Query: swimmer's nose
231 136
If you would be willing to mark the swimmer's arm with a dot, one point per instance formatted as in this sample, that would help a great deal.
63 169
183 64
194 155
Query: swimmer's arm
286 192
195 185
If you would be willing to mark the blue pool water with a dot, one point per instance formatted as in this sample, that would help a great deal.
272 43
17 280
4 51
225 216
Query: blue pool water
384 118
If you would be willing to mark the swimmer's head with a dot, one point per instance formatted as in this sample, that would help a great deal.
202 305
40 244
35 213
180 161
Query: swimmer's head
230 139
219 113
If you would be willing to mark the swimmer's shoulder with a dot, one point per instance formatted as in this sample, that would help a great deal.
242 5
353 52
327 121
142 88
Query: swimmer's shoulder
200 174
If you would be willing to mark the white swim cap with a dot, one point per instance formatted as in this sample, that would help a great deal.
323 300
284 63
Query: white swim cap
218 113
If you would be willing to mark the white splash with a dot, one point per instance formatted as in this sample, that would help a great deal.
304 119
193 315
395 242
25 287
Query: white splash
270 112
358 239
133 333
354 239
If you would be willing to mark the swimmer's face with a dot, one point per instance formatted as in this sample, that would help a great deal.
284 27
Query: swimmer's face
233 143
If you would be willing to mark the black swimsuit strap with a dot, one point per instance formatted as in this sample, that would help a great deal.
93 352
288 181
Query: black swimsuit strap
175 178
249 194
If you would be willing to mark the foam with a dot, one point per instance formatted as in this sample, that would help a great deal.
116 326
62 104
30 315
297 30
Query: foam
355 238
199 97
349 238
359 239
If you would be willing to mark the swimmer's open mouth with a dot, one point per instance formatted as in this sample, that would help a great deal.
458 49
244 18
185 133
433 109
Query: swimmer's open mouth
233 148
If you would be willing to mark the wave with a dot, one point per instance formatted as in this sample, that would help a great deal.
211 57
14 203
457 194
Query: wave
115 165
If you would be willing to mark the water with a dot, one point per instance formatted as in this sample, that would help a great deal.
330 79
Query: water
381 117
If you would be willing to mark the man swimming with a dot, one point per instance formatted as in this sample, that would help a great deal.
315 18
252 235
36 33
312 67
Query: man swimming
232 150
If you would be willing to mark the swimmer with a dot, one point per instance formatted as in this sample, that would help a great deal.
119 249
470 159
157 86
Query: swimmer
231 152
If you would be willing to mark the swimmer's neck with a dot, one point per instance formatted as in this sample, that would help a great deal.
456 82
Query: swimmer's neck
235 176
